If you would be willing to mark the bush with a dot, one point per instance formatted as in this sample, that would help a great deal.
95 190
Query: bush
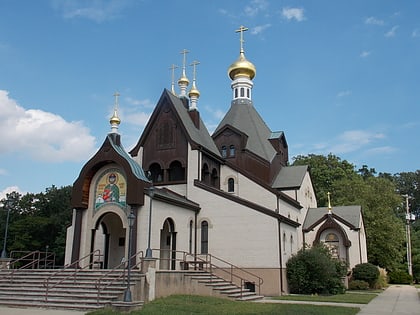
400 277
366 272
358 285
382 280
314 271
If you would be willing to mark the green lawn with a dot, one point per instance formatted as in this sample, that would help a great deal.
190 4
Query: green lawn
190 304
349 297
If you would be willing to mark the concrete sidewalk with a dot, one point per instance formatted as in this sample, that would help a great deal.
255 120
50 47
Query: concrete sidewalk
396 300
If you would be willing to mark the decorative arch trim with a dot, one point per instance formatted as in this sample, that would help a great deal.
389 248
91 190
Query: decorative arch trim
330 223
110 152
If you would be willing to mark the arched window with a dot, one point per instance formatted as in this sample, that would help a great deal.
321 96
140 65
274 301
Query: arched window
291 243
176 171
284 242
247 93
224 151
236 93
214 178
333 243
231 185
232 150
204 237
156 173
242 92
190 247
205 174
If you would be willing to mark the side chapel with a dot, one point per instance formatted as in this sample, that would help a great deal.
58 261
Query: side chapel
231 194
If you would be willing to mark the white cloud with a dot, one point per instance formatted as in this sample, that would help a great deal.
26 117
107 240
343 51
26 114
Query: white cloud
259 29
293 13
365 54
255 7
138 119
374 21
96 10
381 150
343 93
8 190
415 33
147 103
353 140
392 32
42 135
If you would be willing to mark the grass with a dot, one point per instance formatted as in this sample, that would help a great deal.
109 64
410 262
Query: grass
358 297
192 304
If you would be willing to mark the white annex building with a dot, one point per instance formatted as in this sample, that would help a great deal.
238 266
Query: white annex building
190 196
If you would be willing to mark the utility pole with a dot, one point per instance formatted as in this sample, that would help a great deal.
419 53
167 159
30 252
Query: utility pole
408 218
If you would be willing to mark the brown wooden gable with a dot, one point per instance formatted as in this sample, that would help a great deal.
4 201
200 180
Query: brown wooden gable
248 162
165 144
109 153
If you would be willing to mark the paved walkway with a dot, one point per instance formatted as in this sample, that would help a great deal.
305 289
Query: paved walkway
396 300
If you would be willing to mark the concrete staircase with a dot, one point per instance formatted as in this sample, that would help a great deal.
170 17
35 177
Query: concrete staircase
27 288
224 287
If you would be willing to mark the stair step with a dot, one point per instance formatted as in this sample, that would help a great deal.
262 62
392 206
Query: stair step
250 298
241 294
66 290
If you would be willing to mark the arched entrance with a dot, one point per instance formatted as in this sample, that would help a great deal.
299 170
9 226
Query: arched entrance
109 236
168 245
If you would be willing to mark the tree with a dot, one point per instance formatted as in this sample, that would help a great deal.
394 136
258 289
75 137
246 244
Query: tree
41 220
378 197
325 170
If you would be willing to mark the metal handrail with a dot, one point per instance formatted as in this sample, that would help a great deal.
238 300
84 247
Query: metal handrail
23 258
98 286
208 262
73 275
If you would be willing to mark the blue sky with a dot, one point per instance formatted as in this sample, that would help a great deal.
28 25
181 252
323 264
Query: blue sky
335 76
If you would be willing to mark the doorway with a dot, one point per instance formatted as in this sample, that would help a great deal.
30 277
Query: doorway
168 246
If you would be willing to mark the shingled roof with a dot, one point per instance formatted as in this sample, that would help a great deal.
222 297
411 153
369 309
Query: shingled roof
350 214
196 136
290 177
246 119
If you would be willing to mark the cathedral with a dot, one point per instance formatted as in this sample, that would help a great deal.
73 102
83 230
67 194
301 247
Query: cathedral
183 196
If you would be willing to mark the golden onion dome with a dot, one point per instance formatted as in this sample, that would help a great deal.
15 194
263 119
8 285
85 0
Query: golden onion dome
194 91
242 67
115 119
183 80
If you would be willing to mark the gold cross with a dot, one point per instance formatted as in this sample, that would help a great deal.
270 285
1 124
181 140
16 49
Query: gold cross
184 52
194 64
116 95
241 30
173 67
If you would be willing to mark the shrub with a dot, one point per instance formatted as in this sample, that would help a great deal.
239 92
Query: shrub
358 285
314 271
366 272
400 277
382 280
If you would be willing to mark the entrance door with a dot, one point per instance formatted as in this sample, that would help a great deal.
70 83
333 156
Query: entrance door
168 246
109 239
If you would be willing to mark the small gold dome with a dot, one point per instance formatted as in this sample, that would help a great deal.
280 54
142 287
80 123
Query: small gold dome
242 67
194 91
115 119
184 80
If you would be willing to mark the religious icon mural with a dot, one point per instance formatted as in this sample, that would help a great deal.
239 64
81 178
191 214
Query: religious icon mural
111 187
